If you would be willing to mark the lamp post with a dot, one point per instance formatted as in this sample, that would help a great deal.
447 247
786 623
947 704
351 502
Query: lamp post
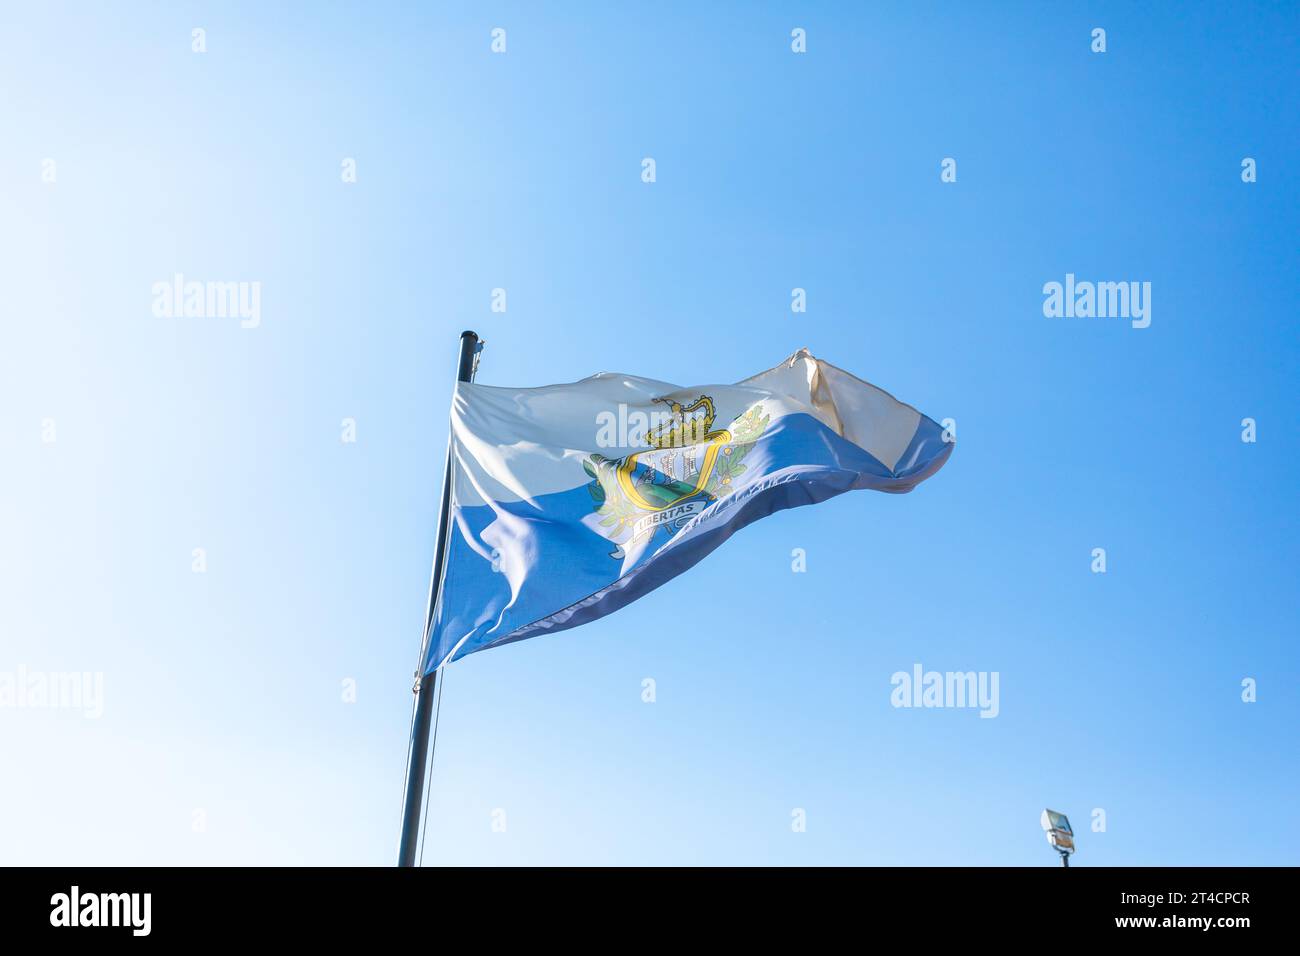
1057 827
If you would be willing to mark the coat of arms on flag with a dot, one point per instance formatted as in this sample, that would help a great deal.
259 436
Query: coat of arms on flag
687 465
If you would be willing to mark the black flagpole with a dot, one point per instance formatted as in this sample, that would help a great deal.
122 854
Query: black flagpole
469 348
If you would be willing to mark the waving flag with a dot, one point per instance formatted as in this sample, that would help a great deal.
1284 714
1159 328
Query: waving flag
570 501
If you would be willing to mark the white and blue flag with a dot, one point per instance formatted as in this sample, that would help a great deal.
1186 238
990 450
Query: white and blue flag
570 501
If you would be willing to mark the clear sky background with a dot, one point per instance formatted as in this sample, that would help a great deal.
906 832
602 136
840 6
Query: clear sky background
224 736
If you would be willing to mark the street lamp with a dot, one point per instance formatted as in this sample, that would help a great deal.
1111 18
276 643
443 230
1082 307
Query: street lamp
1059 834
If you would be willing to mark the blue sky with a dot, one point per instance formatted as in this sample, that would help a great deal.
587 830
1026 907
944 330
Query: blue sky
224 737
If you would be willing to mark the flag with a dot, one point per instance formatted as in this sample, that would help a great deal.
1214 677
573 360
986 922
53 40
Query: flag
570 501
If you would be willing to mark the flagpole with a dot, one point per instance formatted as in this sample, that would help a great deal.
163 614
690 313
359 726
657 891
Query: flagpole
424 687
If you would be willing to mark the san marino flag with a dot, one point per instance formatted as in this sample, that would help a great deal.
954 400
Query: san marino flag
571 501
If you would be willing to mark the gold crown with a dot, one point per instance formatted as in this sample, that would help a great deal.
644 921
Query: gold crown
690 424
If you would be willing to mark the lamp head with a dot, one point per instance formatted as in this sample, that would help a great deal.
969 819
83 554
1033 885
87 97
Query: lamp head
1057 828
